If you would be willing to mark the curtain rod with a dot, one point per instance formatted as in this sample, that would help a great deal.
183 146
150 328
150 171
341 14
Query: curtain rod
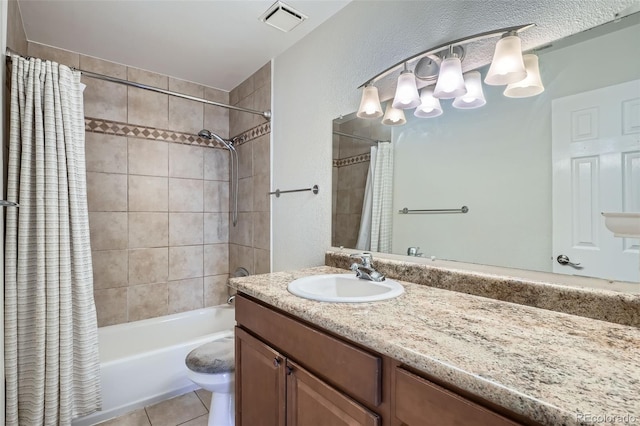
265 114
362 138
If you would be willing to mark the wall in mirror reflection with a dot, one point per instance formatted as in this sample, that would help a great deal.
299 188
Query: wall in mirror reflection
496 160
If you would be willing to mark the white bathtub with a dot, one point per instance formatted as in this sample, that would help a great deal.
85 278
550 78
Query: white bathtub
142 362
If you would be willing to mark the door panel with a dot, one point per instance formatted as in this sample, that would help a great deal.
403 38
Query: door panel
596 168
631 185
260 383
311 402
585 197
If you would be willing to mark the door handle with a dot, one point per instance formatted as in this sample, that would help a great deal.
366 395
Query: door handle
564 260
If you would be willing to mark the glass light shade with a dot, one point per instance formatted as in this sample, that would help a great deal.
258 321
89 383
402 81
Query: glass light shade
430 106
474 98
450 82
393 116
370 104
507 65
530 86
406 91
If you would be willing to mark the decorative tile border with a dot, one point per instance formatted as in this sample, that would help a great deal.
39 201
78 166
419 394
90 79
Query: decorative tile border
362 158
252 134
96 125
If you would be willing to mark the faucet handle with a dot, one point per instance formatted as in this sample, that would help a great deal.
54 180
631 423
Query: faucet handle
414 251
365 257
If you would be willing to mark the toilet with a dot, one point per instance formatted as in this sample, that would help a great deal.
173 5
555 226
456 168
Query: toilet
211 366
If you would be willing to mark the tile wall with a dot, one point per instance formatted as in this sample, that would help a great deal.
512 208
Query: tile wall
158 210
350 168
16 38
250 240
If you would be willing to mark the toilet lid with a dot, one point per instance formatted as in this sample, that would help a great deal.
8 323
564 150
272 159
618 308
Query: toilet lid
213 357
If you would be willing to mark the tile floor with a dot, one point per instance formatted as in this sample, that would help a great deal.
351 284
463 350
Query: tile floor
191 409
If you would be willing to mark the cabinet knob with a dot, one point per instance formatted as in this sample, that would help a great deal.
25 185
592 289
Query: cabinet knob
289 370
276 362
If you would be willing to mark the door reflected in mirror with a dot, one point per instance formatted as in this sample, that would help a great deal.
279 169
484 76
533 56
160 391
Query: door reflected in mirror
535 173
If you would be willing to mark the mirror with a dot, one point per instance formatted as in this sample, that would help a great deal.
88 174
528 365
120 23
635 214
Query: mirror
499 160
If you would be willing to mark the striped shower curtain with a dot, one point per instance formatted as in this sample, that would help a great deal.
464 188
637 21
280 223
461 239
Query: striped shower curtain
382 204
364 233
51 343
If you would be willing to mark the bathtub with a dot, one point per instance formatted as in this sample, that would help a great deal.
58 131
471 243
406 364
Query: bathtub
142 362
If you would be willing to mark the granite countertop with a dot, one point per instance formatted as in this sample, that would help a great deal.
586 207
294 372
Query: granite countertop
551 367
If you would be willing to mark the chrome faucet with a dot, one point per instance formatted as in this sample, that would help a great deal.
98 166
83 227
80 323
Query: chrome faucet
365 270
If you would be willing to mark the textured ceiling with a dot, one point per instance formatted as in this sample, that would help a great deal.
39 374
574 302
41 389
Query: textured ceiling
212 42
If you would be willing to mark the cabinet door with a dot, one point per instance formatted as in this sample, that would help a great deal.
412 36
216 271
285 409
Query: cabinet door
260 383
310 401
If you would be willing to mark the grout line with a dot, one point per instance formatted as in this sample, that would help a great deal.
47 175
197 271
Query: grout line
147 414
128 248
203 403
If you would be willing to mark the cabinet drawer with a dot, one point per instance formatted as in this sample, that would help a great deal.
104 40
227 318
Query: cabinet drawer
419 402
348 368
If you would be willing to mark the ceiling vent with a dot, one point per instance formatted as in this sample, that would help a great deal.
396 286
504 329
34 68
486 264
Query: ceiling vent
282 16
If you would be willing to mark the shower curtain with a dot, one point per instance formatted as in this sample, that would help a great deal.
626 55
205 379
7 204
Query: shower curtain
51 342
379 189
364 234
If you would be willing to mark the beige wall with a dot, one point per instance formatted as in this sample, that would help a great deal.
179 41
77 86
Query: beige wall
16 39
250 240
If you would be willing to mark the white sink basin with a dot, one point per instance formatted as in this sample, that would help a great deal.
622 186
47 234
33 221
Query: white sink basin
344 288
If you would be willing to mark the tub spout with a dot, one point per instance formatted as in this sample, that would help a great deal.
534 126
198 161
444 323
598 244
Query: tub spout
230 299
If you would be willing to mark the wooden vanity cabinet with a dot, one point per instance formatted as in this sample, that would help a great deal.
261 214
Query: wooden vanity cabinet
291 374
272 390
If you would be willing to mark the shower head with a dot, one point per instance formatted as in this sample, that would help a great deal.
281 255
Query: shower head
204 133
207 134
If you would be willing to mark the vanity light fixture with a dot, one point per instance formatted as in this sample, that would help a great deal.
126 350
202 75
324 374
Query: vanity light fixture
393 116
406 91
370 104
530 86
474 98
443 64
429 106
507 65
450 82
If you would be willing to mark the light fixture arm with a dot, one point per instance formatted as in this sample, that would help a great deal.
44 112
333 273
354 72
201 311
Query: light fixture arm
450 44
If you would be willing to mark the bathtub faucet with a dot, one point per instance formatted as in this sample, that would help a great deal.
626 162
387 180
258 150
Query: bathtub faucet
231 298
